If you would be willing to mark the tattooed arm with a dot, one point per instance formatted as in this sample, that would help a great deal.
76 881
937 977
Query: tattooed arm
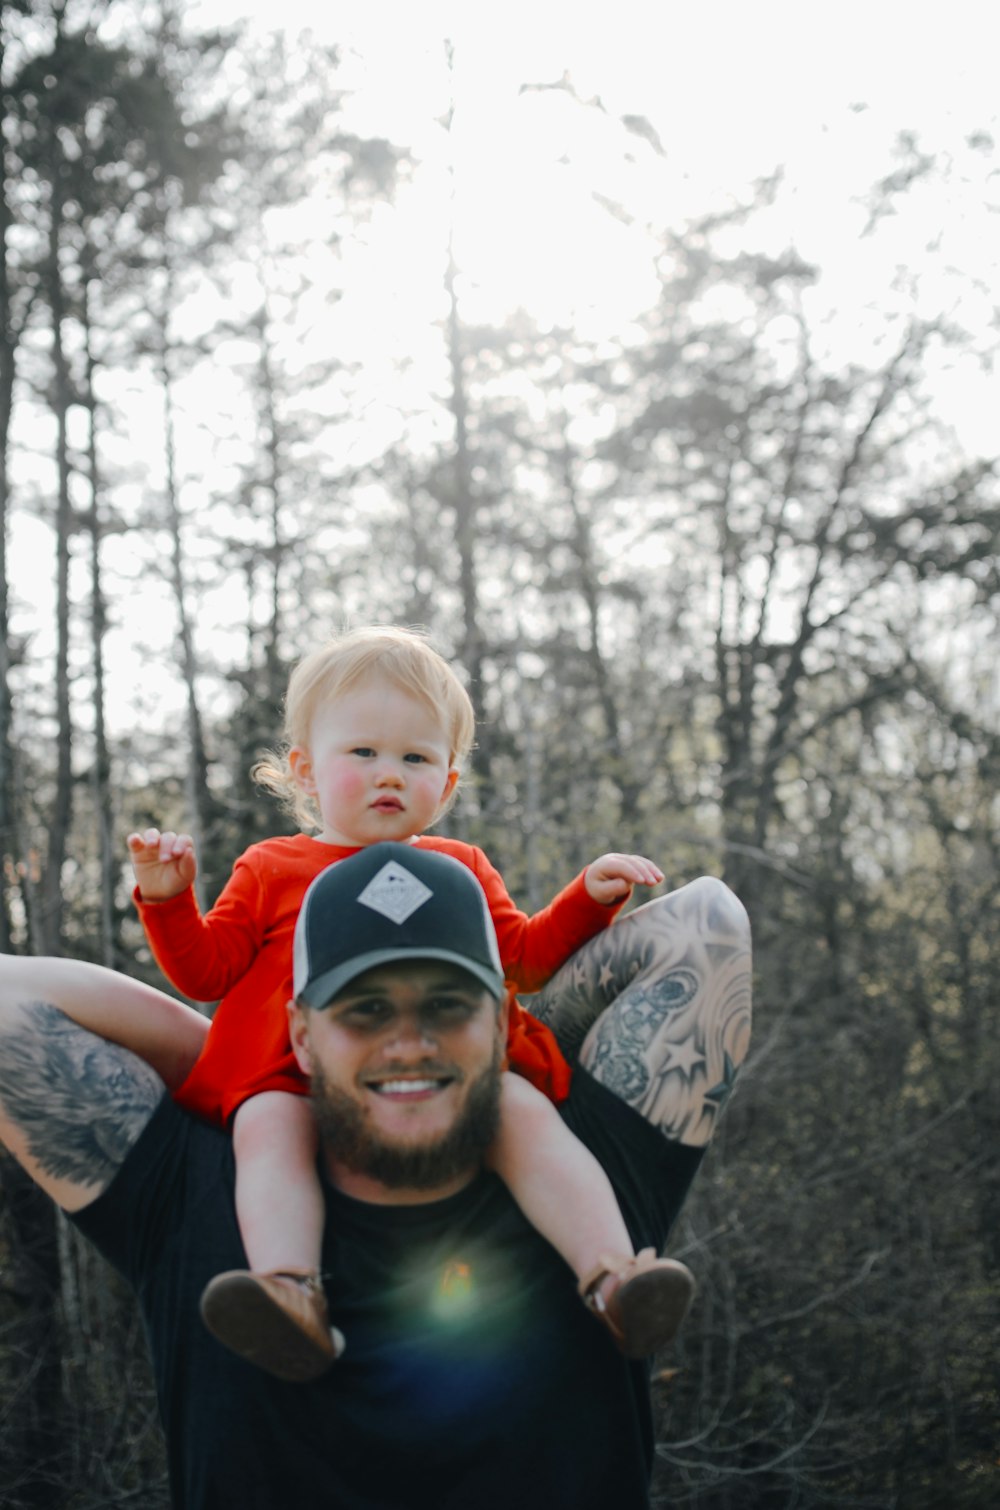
657 1007
71 1104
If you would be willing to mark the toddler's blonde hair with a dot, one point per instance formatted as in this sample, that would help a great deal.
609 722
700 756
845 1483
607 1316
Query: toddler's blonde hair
403 657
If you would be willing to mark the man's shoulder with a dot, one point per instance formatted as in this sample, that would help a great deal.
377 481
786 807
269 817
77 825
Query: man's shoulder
176 1163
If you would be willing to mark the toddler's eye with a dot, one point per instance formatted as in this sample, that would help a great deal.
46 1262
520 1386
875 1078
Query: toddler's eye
365 751
415 759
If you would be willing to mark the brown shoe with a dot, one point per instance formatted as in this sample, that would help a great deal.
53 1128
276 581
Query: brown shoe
278 1321
647 1302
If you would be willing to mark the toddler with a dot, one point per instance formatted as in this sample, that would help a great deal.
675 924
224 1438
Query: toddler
376 728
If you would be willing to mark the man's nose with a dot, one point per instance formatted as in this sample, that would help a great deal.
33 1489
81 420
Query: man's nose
410 1034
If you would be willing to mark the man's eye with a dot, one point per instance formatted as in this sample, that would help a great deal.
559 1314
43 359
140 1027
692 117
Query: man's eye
365 1013
449 1007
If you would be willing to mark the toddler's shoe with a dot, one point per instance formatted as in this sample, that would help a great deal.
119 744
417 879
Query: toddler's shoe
644 1303
278 1321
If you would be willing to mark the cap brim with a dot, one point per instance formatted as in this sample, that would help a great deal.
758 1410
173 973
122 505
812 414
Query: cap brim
321 991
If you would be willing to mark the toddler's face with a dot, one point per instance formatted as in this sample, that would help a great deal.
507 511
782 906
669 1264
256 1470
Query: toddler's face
378 764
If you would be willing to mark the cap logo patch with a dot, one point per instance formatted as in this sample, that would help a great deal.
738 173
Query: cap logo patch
395 893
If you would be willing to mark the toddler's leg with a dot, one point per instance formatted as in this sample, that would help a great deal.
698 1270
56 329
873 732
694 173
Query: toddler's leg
275 1314
164 1032
555 1180
279 1204
566 1195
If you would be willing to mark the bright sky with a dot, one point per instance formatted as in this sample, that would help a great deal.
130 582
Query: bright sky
778 59
731 86
733 90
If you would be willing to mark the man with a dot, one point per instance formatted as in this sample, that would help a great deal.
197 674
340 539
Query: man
473 1377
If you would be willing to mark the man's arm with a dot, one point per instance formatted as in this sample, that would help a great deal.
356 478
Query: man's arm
657 1007
71 1105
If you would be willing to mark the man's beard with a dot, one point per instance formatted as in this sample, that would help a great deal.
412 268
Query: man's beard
346 1136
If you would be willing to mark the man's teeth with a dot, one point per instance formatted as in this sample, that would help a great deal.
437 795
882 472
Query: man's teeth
406 1087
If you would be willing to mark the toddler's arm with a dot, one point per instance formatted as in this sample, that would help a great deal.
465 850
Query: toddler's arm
532 949
201 956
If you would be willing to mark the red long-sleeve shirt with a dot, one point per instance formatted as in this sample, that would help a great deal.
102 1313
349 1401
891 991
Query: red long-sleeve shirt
240 953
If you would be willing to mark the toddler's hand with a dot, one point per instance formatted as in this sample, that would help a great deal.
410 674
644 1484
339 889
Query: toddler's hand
164 864
611 878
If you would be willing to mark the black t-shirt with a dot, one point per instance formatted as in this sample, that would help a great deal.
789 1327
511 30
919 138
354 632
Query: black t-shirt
473 1376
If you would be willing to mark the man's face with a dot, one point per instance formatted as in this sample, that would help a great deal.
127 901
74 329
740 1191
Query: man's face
405 1065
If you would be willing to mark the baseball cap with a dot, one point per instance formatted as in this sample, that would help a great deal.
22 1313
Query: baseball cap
391 902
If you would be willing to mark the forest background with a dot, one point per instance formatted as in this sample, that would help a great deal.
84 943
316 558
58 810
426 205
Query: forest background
693 474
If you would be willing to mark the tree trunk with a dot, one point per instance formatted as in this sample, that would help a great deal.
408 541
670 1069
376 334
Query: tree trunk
274 669
463 499
201 809
464 504
101 771
8 351
62 809
583 548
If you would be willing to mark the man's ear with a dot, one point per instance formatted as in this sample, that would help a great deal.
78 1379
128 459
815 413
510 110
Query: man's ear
298 1032
301 768
503 1018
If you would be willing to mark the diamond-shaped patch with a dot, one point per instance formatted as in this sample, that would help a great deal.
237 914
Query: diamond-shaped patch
394 892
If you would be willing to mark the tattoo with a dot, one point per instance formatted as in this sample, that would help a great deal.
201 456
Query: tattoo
658 1007
80 1103
618 1058
598 973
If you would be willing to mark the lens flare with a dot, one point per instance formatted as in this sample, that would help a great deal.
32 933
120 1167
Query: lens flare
454 1295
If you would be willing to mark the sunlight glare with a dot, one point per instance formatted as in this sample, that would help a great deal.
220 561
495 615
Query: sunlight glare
531 232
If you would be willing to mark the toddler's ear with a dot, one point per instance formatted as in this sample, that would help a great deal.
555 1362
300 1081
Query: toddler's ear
301 768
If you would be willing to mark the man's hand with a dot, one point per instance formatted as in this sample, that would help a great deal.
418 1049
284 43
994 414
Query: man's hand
611 878
164 865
